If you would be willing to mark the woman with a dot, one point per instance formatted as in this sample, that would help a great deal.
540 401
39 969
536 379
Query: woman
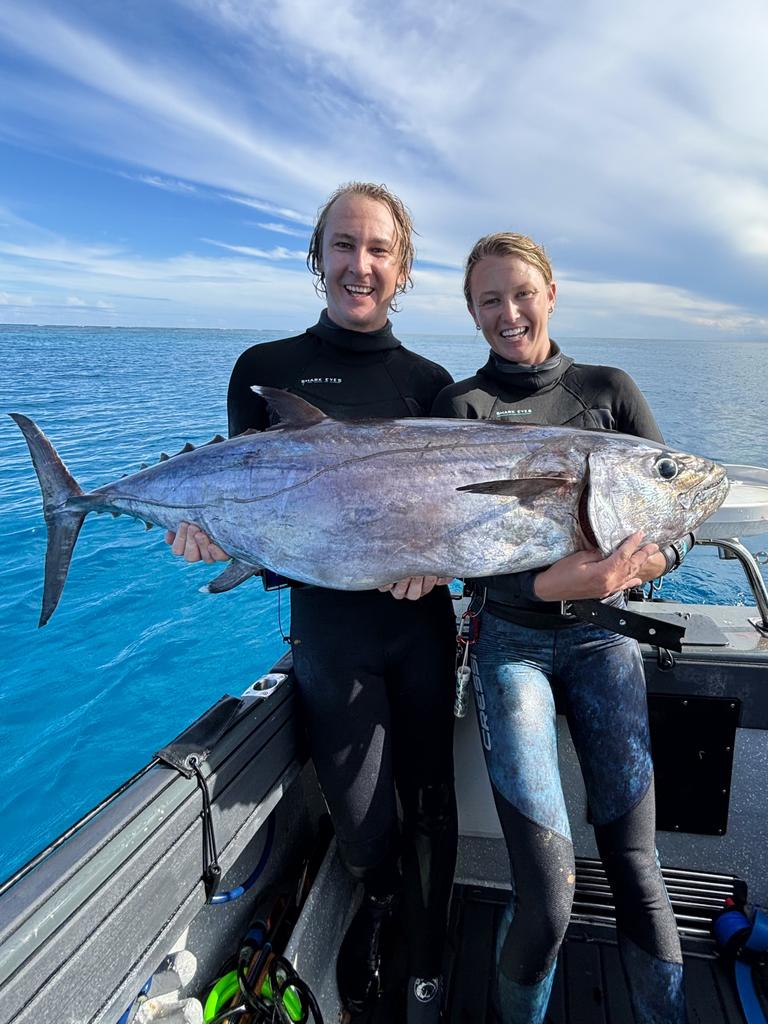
375 675
526 646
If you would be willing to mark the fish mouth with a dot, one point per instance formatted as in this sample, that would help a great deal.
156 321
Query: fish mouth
713 493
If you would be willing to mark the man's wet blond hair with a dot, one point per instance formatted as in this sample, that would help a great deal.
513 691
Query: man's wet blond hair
403 232
506 243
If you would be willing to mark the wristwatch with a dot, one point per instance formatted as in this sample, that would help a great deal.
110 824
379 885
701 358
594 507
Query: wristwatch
675 553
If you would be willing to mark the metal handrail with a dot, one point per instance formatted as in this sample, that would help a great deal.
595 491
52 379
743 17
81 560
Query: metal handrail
735 549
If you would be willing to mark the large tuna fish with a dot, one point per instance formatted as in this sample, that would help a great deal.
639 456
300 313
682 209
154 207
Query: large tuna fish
355 505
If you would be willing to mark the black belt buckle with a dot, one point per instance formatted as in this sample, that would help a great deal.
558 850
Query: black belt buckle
644 628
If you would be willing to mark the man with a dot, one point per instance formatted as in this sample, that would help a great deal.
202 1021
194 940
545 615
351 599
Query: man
375 675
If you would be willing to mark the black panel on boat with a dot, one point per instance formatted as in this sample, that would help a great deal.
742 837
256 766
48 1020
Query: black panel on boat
693 740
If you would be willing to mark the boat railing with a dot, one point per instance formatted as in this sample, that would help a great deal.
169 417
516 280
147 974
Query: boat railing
732 548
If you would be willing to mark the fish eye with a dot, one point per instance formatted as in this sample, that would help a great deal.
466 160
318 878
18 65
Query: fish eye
667 468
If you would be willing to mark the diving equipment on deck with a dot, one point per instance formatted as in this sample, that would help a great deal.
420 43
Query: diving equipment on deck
744 942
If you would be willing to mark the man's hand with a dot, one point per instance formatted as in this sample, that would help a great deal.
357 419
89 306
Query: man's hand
590 574
194 545
414 587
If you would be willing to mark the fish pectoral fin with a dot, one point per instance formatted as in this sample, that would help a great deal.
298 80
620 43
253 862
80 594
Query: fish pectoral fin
293 411
235 574
524 490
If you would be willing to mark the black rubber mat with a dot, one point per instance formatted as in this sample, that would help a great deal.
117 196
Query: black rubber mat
589 984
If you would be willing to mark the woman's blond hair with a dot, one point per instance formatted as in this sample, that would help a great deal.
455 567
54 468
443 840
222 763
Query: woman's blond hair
506 243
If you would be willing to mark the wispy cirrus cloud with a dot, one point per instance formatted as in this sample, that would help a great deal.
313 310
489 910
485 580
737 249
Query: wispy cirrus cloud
66 279
277 253
135 104
264 207
282 229
166 184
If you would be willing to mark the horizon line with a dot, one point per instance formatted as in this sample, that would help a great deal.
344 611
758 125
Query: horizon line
418 334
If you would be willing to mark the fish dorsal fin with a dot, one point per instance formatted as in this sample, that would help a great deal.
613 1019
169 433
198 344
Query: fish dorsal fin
526 489
293 411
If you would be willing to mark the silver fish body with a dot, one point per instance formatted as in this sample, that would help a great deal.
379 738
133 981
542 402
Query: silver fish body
353 506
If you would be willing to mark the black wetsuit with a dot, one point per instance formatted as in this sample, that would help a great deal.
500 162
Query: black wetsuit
558 392
376 675
523 651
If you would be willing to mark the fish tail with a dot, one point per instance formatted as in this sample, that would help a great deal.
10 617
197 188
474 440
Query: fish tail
58 486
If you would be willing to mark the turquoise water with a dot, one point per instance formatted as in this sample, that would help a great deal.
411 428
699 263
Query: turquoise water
134 652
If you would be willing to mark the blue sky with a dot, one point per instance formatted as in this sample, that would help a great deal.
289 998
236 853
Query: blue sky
161 163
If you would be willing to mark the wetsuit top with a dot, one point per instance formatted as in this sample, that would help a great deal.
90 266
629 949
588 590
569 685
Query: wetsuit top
558 392
349 375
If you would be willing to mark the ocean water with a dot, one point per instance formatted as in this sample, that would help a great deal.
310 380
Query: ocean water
134 651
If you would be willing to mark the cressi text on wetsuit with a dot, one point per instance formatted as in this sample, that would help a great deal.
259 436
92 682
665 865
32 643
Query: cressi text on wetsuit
375 675
523 652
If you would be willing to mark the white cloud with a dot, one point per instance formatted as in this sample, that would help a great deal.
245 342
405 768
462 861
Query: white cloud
166 184
602 300
100 285
278 253
631 140
280 211
598 307
98 306
281 229
9 299
115 286
168 112
739 211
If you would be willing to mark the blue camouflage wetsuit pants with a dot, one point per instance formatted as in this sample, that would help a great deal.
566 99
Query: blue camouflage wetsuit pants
600 675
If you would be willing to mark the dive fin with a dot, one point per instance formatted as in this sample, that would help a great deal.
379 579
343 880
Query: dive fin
293 411
58 486
525 490
235 574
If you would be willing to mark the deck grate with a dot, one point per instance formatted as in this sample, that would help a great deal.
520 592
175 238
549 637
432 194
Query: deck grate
589 984
695 896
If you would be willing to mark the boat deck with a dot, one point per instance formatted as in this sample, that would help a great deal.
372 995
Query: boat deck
589 984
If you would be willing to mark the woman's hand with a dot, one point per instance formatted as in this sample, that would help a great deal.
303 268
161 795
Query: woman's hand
414 587
195 545
591 574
